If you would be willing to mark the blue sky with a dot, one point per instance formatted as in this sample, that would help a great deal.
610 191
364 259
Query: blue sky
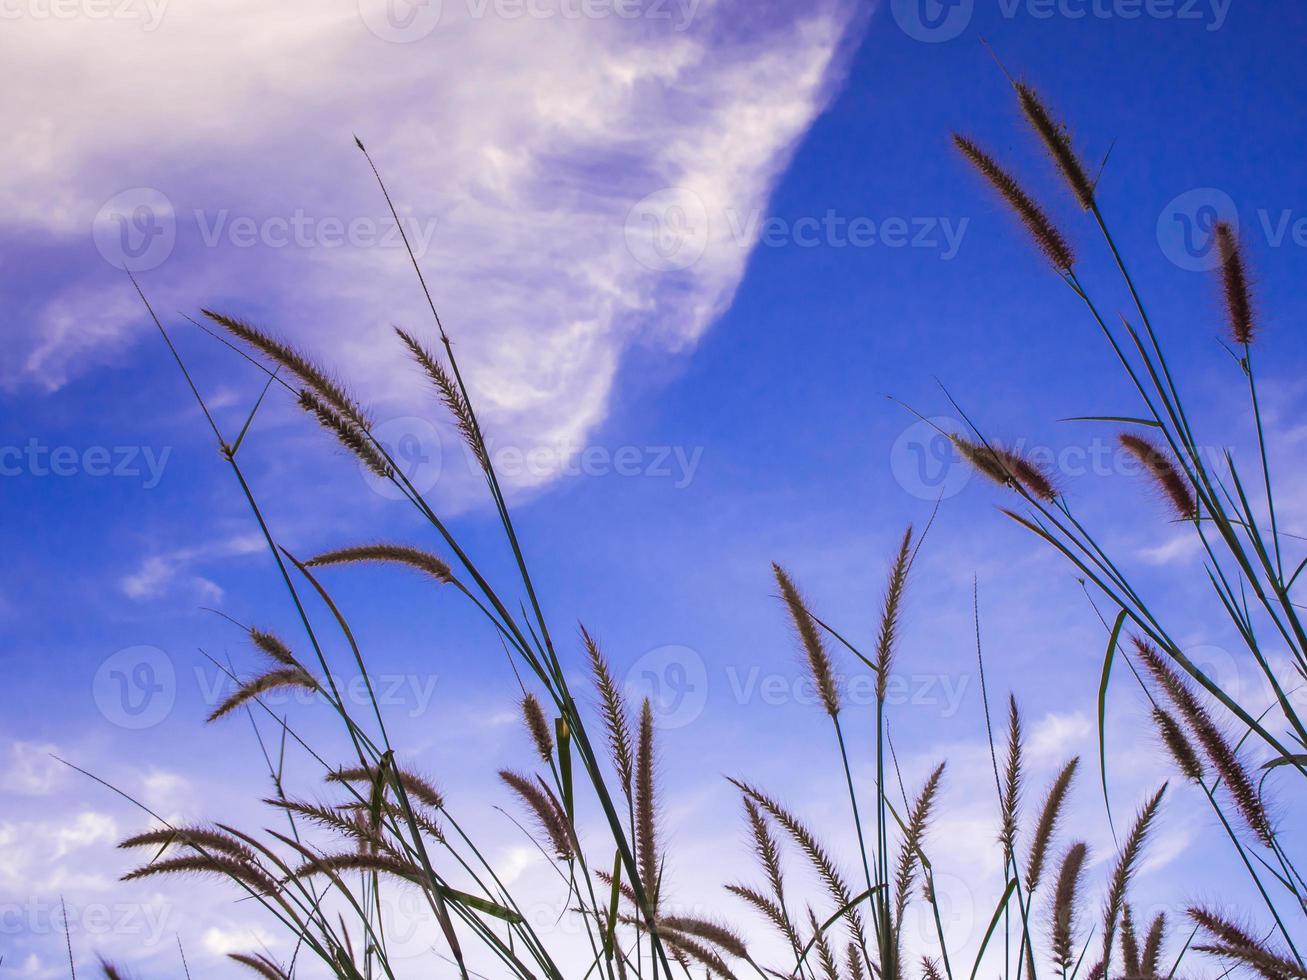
687 256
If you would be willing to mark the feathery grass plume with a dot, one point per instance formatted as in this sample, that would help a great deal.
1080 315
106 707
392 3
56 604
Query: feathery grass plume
397 813
816 854
646 807
314 377
1255 957
1231 941
1010 798
1126 865
1223 756
1048 817
1057 140
1006 467
1129 943
854 959
771 910
538 727
281 678
1234 281
1027 473
769 856
197 838
450 393
418 787
397 554
1150 964
548 811
714 932
825 955
612 706
1045 234
261 965
694 950
1163 471
212 864
983 459
887 637
814 650
351 436
1064 907
910 851
929 969
1178 744
390 864
331 818
273 646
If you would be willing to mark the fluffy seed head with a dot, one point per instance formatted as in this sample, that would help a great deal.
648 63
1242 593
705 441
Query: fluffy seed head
538 726
1065 903
351 435
278 679
1223 756
814 649
1045 234
1178 744
1057 140
1006 467
1234 281
887 638
1164 472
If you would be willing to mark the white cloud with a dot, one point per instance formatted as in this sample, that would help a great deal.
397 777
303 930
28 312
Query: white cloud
1058 735
159 573
1179 547
518 145
32 769
221 940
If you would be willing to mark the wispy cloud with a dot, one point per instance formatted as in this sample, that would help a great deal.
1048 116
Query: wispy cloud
569 180
160 574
